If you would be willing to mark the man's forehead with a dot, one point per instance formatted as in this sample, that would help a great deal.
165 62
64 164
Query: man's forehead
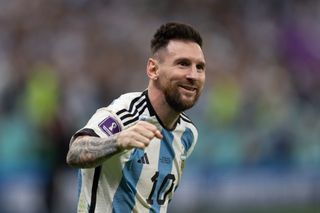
176 44
186 49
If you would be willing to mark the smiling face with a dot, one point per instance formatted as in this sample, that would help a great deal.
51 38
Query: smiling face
180 73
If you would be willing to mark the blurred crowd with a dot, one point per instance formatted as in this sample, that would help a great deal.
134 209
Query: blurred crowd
62 59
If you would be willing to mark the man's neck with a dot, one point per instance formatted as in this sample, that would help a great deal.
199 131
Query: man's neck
167 115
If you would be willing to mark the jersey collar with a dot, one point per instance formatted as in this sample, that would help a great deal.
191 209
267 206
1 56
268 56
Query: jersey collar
152 112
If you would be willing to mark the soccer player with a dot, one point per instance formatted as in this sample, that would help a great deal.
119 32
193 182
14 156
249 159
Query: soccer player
132 152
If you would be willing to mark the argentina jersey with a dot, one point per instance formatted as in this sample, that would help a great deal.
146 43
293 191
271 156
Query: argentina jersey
136 180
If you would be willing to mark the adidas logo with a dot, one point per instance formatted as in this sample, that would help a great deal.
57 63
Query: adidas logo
144 159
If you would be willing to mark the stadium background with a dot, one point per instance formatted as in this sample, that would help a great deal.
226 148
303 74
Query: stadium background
259 116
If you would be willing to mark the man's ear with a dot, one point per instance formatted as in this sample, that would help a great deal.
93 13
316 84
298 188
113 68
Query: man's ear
152 69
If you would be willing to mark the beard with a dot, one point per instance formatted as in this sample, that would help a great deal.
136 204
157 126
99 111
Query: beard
176 101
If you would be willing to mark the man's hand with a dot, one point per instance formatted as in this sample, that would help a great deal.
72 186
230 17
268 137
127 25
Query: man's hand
138 136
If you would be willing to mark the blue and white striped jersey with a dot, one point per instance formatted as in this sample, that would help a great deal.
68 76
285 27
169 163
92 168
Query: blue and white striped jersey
135 180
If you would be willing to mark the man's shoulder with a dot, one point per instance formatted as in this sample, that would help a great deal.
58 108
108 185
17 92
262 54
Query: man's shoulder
187 122
125 100
130 95
111 119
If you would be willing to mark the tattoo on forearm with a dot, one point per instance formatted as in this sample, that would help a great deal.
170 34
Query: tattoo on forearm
89 152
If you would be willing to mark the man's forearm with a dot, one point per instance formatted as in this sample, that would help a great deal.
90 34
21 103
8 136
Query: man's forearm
89 152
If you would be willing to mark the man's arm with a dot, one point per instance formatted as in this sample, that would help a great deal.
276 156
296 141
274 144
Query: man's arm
89 152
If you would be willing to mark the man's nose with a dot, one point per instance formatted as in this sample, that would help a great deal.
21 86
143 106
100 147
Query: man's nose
193 73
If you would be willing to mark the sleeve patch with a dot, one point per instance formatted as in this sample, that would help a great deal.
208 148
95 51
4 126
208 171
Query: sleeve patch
110 126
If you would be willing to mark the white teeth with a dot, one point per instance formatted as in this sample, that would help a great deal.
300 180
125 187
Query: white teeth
189 88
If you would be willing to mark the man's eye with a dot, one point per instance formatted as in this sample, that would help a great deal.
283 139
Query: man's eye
200 67
184 63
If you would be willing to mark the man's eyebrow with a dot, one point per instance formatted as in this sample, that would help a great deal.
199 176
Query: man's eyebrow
182 58
200 62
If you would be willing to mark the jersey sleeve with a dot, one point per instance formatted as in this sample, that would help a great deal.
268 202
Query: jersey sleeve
103 123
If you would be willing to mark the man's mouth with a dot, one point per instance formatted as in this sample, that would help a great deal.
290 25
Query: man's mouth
188 88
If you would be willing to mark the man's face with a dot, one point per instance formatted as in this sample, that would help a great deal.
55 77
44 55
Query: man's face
181 73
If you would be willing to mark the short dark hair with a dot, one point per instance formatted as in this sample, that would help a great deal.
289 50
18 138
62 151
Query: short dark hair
171 31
